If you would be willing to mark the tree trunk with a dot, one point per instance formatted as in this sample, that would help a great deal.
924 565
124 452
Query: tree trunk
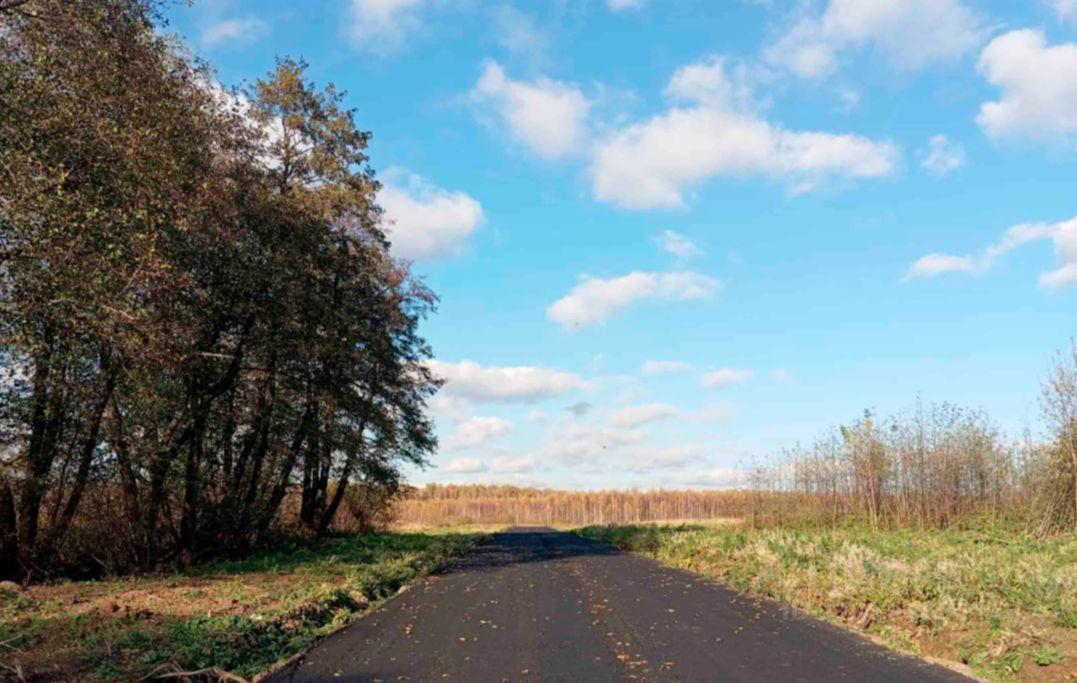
285 475
45 426
338 495
86 454
9 546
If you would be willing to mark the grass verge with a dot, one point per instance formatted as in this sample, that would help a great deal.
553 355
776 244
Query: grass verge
241 616
995 599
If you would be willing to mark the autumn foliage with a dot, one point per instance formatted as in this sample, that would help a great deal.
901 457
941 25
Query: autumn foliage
201 318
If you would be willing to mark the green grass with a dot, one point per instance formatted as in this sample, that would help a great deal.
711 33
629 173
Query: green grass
241 615
995 599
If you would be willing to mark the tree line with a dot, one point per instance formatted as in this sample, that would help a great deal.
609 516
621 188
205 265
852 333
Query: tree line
201 320
930 466
451 504
935 465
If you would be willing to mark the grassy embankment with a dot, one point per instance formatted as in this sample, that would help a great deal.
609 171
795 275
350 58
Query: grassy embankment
997 600
241 616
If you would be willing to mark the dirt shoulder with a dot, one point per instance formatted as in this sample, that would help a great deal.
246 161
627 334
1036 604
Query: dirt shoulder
241 616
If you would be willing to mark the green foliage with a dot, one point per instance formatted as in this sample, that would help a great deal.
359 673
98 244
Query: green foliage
1047 655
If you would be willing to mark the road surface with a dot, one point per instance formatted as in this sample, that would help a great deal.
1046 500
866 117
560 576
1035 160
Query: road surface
538 605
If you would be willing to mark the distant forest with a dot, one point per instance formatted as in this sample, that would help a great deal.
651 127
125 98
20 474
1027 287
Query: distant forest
932 466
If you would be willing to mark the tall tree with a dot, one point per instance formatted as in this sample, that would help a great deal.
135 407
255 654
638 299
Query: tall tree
201 316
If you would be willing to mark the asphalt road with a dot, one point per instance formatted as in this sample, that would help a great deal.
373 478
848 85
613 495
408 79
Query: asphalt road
538 605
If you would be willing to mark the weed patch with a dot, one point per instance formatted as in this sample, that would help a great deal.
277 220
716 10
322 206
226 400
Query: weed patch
239 615
993 598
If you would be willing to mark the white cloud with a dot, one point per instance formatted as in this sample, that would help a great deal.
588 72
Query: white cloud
677 244
517 33
715 133
715 412
618 5
524 384
1065 242
381 26
595 300
1038 84
726 377
910 34
452 408
639 415
238 31
1062 234
710 82
505 464
578 441
547 116
931 265
465 466
647 458
663 367
425 221
477 431
716 477
942 156
1066 10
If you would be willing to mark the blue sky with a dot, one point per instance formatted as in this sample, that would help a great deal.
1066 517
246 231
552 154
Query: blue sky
671 237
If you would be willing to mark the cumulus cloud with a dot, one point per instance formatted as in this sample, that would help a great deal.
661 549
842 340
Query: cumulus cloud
521 384
715 477
548 117
942 156
465 466
506 464
715 412
1039 88
477 431
1063 235
582 441
382 25
664 367
595 300
1065 242
725 377
648 458
644 413
677 244
931 265
909 34
233 32
714 131
425 221
449 407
